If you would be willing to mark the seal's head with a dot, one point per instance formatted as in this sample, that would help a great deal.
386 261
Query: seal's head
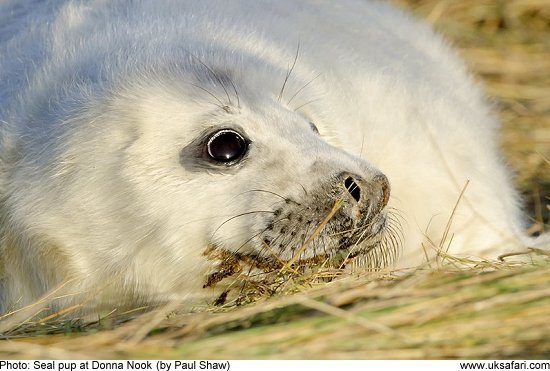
233 168
158 169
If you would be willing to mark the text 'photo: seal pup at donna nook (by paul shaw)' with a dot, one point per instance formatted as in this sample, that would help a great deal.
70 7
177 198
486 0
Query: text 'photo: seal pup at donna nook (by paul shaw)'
153 151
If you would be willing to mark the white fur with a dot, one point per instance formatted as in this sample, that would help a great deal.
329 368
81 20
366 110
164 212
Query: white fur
99 97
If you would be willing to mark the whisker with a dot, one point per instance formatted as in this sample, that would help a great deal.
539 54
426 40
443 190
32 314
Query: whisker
304 188
302 88
238 216
273 193
289 72
359 240
362 145
214 74
220 105
257 234
396 212
305 104
236 92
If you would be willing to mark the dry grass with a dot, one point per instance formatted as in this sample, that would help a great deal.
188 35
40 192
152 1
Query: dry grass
486 311
462 309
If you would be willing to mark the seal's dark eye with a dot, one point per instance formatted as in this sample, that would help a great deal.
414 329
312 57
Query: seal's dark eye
314 128
226 146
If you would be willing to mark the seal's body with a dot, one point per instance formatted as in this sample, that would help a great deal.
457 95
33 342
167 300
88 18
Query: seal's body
137 135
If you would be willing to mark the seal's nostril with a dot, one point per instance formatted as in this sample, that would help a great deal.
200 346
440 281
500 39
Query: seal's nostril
352 188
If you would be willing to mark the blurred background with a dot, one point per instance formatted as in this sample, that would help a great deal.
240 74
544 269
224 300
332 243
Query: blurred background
506 44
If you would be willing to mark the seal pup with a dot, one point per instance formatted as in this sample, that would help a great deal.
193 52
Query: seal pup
138 138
